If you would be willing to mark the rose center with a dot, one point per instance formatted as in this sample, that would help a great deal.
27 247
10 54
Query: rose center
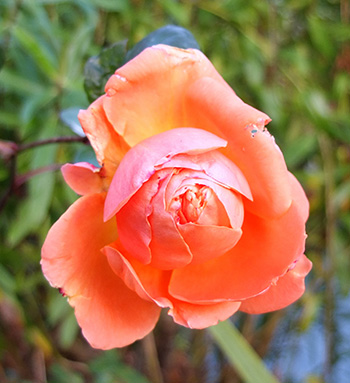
192 202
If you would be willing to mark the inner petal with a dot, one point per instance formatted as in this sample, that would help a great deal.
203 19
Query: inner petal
192 202
193 198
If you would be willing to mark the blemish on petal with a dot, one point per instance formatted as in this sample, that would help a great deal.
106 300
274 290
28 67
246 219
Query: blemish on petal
61 291
111 92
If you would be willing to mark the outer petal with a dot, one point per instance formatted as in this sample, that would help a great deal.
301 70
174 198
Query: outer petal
152 284
144 97
202 316
108 145
149 283
139 163
264 252
285 291
83 178
110 314
250 146
207 242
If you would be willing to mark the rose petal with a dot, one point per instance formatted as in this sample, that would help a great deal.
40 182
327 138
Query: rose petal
132 221
144 97
109 313
207 242
202 316
168 248
226 206
250 146
152 284
107 144
149 283
138 164
284 292
216 166
264 252
83 178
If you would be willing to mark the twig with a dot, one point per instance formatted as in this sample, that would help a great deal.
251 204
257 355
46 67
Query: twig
16 181
331 261
152 360
12 182
54 140
23 178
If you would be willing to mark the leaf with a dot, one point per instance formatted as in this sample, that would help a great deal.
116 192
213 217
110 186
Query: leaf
7 281
58 308
320 36
69 330
300 150
59 373
70 118
240 354
2 54
33 210
114 6
99 68
109 366
85 153
42 56
13 81
172 35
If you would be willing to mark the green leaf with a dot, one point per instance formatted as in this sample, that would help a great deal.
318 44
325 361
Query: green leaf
114 6
7 281
240 354
70 118
59 373
69 330
33 210
99 68
12 81
320 36
300 150
42 56
109 366
58 308
2 54
172 35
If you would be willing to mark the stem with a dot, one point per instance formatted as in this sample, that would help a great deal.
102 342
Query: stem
20 180
330 267
54 140
12 183
152 361
16 181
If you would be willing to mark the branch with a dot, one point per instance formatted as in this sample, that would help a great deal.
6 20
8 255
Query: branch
9 151
54 140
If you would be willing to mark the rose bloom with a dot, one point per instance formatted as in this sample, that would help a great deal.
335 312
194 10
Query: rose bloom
193 208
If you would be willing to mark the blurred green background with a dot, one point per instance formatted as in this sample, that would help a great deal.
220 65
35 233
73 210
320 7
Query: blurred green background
289 58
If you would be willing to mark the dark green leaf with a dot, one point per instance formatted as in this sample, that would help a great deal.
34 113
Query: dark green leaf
172 35
99 68
2 55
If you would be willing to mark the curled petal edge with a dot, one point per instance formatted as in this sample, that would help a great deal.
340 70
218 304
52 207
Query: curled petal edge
83 178
132 172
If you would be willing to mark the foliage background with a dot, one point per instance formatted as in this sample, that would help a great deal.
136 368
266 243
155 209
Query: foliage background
289 58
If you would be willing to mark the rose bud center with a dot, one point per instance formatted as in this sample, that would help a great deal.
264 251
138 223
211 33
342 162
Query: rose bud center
192 203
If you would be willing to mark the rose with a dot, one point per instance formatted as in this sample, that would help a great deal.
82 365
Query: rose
193 208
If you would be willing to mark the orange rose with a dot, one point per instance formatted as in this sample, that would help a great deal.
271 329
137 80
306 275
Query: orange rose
193 208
